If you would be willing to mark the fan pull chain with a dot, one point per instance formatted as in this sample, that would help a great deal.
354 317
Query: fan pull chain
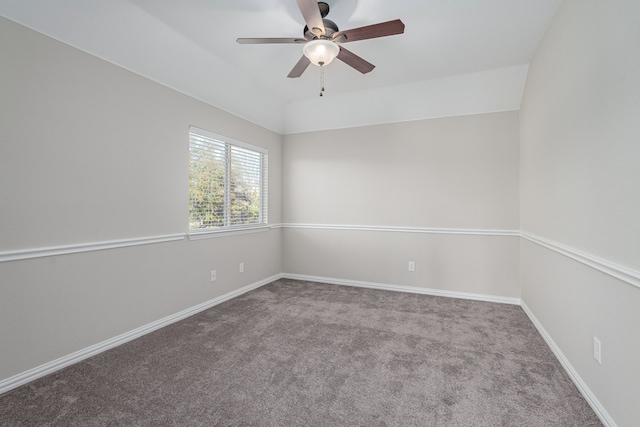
321 79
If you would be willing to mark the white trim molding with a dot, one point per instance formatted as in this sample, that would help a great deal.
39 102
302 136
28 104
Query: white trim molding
80 355
593 401
212 233
85 247
615 270
403 288
465 231
22 254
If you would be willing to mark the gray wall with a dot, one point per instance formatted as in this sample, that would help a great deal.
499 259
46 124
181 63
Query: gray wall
580 193
459 174
92 153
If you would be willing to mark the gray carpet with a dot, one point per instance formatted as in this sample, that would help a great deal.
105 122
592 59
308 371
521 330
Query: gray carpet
298 353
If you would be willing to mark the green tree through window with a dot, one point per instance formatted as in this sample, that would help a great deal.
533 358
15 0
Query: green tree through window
227 182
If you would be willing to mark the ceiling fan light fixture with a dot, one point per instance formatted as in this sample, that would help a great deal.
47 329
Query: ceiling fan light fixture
321 52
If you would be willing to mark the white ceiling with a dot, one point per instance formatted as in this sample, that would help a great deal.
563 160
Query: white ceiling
479 47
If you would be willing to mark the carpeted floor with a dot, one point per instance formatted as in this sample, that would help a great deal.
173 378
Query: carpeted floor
295 353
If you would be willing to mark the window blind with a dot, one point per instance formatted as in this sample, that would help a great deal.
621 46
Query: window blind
227 182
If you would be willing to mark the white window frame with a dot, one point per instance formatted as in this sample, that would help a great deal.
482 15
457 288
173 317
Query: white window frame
262 225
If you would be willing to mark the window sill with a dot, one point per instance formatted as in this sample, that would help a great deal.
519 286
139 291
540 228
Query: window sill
211 234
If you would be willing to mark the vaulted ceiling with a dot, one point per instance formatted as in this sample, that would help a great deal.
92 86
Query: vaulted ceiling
455 57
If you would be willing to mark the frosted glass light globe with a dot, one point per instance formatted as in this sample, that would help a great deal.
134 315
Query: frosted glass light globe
321 52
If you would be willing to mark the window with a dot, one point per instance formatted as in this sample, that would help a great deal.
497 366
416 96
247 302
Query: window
227 183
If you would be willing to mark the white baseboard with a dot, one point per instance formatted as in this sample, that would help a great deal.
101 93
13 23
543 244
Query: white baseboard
402 288
78 356
577 380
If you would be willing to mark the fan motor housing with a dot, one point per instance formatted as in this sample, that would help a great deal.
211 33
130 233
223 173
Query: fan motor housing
330 28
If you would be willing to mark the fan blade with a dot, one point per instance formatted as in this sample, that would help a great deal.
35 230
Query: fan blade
311 14
270 40
383 29
355 61
299 68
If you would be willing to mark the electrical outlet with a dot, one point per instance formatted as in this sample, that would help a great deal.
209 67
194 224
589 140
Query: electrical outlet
242 267
597 350
213 275
412 266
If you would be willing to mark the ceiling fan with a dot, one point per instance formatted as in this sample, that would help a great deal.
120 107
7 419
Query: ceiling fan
322 37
